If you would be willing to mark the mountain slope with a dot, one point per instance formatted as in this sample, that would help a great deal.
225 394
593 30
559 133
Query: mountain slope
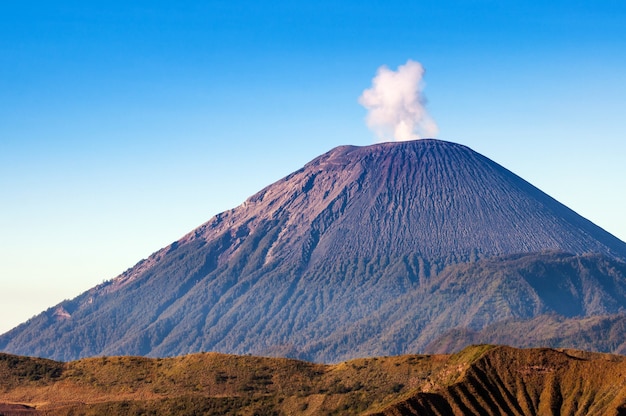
526 382
470 303
300 265
599 333
481 380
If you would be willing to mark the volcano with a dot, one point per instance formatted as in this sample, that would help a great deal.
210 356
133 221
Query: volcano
378 250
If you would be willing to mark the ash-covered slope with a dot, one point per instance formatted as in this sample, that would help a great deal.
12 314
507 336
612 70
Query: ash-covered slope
316 253
439 200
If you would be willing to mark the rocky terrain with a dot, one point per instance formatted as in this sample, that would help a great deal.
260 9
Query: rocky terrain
394 248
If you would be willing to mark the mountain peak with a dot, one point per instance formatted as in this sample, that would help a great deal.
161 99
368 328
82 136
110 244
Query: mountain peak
437 198
311 265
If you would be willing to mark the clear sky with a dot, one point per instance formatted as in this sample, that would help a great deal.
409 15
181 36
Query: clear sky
126 124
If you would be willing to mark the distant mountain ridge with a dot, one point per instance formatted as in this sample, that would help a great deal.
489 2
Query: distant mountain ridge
361 251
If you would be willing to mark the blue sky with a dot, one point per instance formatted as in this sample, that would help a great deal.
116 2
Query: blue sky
124 125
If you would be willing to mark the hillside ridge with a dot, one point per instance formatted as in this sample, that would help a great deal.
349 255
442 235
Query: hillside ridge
481 379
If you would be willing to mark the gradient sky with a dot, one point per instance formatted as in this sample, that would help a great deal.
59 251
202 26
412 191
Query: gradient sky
124 125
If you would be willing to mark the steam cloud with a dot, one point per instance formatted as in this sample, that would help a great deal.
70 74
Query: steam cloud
396 105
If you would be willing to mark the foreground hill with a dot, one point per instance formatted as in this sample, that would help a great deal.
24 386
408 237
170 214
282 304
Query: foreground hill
481 380
372 250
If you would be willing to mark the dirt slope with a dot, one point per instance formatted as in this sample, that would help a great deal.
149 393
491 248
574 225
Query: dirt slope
480 380
507 381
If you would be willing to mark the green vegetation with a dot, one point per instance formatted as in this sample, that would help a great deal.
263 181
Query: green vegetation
15 370
523 300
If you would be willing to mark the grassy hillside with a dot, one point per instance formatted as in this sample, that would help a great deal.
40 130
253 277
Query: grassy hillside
478 380
209 383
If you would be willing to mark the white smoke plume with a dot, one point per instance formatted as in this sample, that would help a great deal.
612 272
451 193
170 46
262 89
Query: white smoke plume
396 105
